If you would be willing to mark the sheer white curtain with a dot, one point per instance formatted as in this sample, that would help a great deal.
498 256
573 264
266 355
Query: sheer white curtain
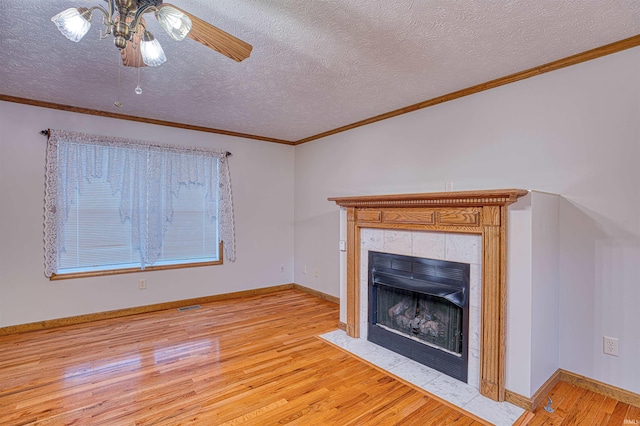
147 177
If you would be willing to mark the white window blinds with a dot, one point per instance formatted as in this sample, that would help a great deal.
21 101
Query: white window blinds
114 203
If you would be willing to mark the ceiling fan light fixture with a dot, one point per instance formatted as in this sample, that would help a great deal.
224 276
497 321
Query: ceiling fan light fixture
152 53
73 23
174 22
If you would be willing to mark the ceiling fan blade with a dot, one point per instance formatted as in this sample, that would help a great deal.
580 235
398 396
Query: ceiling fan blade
216 39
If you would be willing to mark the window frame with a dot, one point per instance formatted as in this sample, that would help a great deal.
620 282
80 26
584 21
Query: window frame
54 225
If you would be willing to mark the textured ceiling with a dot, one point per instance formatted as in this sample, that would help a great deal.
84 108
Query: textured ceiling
315 65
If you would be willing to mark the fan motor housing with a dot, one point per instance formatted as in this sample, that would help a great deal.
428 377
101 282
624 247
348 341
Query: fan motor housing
126 7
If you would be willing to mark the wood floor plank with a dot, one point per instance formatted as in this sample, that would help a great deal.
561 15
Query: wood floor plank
584 409
619 414
633 416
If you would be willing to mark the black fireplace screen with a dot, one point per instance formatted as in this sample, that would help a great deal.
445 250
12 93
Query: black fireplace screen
420 308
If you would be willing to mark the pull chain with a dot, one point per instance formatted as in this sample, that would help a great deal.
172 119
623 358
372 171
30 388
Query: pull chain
117 102
138 55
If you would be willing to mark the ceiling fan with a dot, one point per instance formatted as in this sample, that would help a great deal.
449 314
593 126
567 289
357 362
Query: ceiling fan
138 47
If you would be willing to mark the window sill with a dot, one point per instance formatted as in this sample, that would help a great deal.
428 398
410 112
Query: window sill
57 277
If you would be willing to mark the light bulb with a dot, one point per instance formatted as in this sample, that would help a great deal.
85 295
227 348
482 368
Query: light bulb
174 22
138 90
72 24
152 53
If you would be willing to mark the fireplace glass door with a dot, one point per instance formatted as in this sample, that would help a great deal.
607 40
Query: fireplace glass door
429 319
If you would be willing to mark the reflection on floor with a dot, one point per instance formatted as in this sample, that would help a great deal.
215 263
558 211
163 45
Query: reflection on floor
432 381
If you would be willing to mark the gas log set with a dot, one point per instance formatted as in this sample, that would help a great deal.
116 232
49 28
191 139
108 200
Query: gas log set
425 319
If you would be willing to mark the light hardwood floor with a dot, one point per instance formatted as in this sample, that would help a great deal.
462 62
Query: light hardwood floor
250 361
577 406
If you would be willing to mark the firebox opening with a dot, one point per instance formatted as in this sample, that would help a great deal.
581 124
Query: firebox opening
420 308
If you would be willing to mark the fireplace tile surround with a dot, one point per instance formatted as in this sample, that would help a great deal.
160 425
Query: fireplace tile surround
466 248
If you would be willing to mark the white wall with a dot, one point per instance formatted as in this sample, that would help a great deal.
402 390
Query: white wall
574 132
519 313
545 288
262 177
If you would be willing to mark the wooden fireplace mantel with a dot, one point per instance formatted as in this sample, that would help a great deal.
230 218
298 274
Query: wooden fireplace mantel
476 212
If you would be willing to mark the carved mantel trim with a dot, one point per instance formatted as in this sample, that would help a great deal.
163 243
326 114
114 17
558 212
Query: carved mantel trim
477 212
491 197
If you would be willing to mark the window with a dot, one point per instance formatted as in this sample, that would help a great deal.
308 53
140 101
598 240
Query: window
116 205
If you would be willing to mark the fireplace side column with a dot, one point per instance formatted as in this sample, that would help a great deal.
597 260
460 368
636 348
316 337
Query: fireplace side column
353 274
493 340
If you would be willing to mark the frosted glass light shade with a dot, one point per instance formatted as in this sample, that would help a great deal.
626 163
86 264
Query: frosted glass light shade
152 53
71 24
174 22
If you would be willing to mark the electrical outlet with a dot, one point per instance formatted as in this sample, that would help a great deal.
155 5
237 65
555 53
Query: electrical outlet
610 345
304 269
316 273
448 186
142 284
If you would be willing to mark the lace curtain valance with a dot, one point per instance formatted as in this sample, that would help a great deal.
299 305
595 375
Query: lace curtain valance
147 177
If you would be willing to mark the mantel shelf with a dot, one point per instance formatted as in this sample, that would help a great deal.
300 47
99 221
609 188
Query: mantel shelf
491 197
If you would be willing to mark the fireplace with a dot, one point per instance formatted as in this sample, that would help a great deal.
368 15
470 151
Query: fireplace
419 308
483 213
